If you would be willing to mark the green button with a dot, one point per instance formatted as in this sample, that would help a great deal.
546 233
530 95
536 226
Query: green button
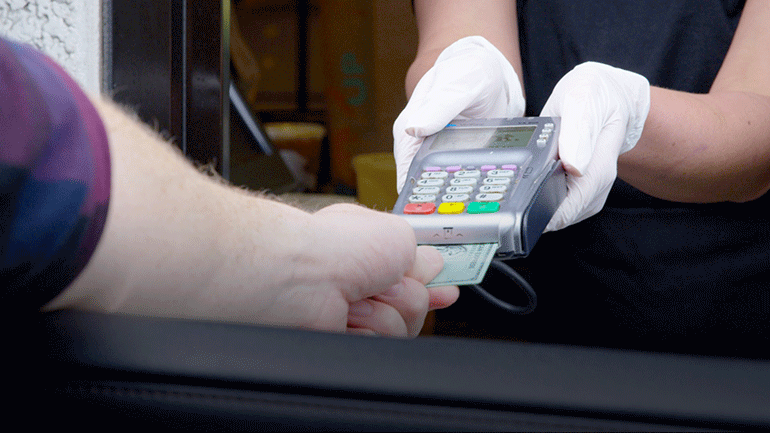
483 207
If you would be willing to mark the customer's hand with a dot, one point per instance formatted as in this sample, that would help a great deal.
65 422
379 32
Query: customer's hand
602 110
470 79
363 273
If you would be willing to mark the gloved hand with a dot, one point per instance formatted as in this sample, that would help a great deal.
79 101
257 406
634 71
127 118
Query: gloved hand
470 79
602 110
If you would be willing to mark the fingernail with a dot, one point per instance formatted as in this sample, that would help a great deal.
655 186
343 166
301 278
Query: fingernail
394 291
361 308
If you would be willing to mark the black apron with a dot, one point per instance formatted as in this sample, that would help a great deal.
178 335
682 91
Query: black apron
644 273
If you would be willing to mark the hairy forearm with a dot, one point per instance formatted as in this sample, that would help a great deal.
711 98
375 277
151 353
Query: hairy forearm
702 148
183 244
173 234
442 22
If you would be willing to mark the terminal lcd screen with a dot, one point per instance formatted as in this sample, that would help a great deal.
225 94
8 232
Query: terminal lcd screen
481 138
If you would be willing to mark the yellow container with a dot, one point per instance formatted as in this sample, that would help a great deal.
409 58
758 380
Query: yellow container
376 180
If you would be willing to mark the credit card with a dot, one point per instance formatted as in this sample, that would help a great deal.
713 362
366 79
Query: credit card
464 264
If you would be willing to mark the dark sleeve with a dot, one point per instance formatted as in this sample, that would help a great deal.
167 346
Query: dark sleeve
54 178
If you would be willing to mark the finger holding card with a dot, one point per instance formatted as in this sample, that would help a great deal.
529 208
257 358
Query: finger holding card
372 317
401 310
440 296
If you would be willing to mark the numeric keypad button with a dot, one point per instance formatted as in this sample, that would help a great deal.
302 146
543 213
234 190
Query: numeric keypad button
493 188
426 190
430 182
435 175
455 197
500 173
468 173
489 197
497 181
463 181
459 189
422 198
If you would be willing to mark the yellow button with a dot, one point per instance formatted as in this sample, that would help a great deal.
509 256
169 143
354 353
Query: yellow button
451 208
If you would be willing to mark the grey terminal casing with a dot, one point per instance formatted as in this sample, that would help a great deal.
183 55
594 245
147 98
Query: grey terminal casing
536 189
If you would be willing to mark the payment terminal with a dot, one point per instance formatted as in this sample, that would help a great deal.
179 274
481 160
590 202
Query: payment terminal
485 181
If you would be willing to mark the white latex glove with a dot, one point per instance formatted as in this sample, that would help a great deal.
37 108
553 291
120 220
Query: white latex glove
470 79
602 110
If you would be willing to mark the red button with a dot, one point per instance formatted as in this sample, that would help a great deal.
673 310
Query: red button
420 208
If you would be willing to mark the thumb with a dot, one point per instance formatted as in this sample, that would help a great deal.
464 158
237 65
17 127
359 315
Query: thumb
578 130
404 150
433 106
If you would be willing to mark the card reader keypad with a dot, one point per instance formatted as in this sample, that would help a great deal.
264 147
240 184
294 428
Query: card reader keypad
457 190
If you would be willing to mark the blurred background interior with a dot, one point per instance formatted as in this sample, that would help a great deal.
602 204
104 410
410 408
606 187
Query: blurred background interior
325 78
310 87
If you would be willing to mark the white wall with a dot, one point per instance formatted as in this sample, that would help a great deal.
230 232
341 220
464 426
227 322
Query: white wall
67 30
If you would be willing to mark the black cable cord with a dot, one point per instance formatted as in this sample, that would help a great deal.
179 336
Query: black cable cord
516 278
